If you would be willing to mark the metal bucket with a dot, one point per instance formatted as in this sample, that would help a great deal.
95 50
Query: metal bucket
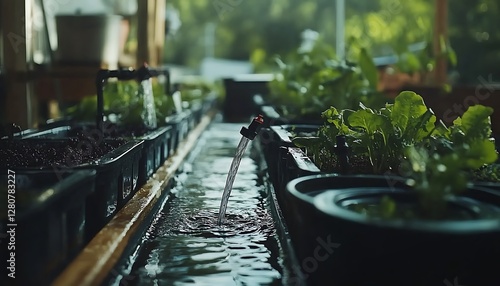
88 39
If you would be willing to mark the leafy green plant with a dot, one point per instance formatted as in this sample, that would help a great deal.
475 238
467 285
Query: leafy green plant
314 79
122 104
381 136
441 167
436 177
423 61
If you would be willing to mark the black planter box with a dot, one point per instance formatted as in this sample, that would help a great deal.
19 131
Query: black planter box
240 90
350 249
210 102
154 152
50 218
274 140
196 108
117 174
273 117
180 124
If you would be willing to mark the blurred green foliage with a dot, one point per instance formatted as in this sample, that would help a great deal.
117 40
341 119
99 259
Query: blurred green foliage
258 30
311 80
122 103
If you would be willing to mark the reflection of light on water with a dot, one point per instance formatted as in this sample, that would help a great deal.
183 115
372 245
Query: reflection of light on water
208 256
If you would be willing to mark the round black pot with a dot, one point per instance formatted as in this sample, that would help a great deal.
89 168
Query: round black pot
371 251
305 222
494 186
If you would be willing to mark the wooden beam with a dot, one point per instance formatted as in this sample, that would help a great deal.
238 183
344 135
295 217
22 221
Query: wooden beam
440 30
159 30
16 35
150 31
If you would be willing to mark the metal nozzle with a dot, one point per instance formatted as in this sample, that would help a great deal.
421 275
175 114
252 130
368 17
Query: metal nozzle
253 128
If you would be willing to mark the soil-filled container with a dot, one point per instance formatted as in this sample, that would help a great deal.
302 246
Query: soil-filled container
115 162
44 218
352 247
154 152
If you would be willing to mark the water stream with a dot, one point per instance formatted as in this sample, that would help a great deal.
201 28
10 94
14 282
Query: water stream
231 175
185 245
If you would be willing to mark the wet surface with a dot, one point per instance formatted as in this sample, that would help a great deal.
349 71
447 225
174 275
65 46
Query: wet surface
186 246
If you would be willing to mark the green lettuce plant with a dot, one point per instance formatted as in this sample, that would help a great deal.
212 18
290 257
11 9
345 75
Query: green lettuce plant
382 135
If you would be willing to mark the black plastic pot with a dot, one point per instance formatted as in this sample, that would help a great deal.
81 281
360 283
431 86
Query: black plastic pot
494 186
348 248
117 175
50 218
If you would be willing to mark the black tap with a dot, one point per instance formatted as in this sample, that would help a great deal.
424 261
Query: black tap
341 149
253 128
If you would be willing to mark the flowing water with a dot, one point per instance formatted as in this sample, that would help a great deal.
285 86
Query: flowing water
240 150
185 245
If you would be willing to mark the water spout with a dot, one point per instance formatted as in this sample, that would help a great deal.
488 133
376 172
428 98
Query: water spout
247 135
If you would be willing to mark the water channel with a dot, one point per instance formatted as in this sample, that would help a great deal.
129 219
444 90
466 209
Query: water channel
185 245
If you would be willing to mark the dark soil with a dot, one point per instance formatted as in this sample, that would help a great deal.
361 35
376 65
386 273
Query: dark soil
329 162
43 153
110 130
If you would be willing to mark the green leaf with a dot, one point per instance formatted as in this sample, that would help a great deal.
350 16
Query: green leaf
408 109
370 121
480 153
475 123
368 68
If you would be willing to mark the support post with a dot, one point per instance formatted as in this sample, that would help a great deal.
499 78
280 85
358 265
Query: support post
150 31
340 29
440 30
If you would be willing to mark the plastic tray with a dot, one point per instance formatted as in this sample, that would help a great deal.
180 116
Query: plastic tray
51 220
117 174
155 148
180 128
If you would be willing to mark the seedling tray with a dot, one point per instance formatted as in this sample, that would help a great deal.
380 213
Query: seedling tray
154 152
49 222
115 162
